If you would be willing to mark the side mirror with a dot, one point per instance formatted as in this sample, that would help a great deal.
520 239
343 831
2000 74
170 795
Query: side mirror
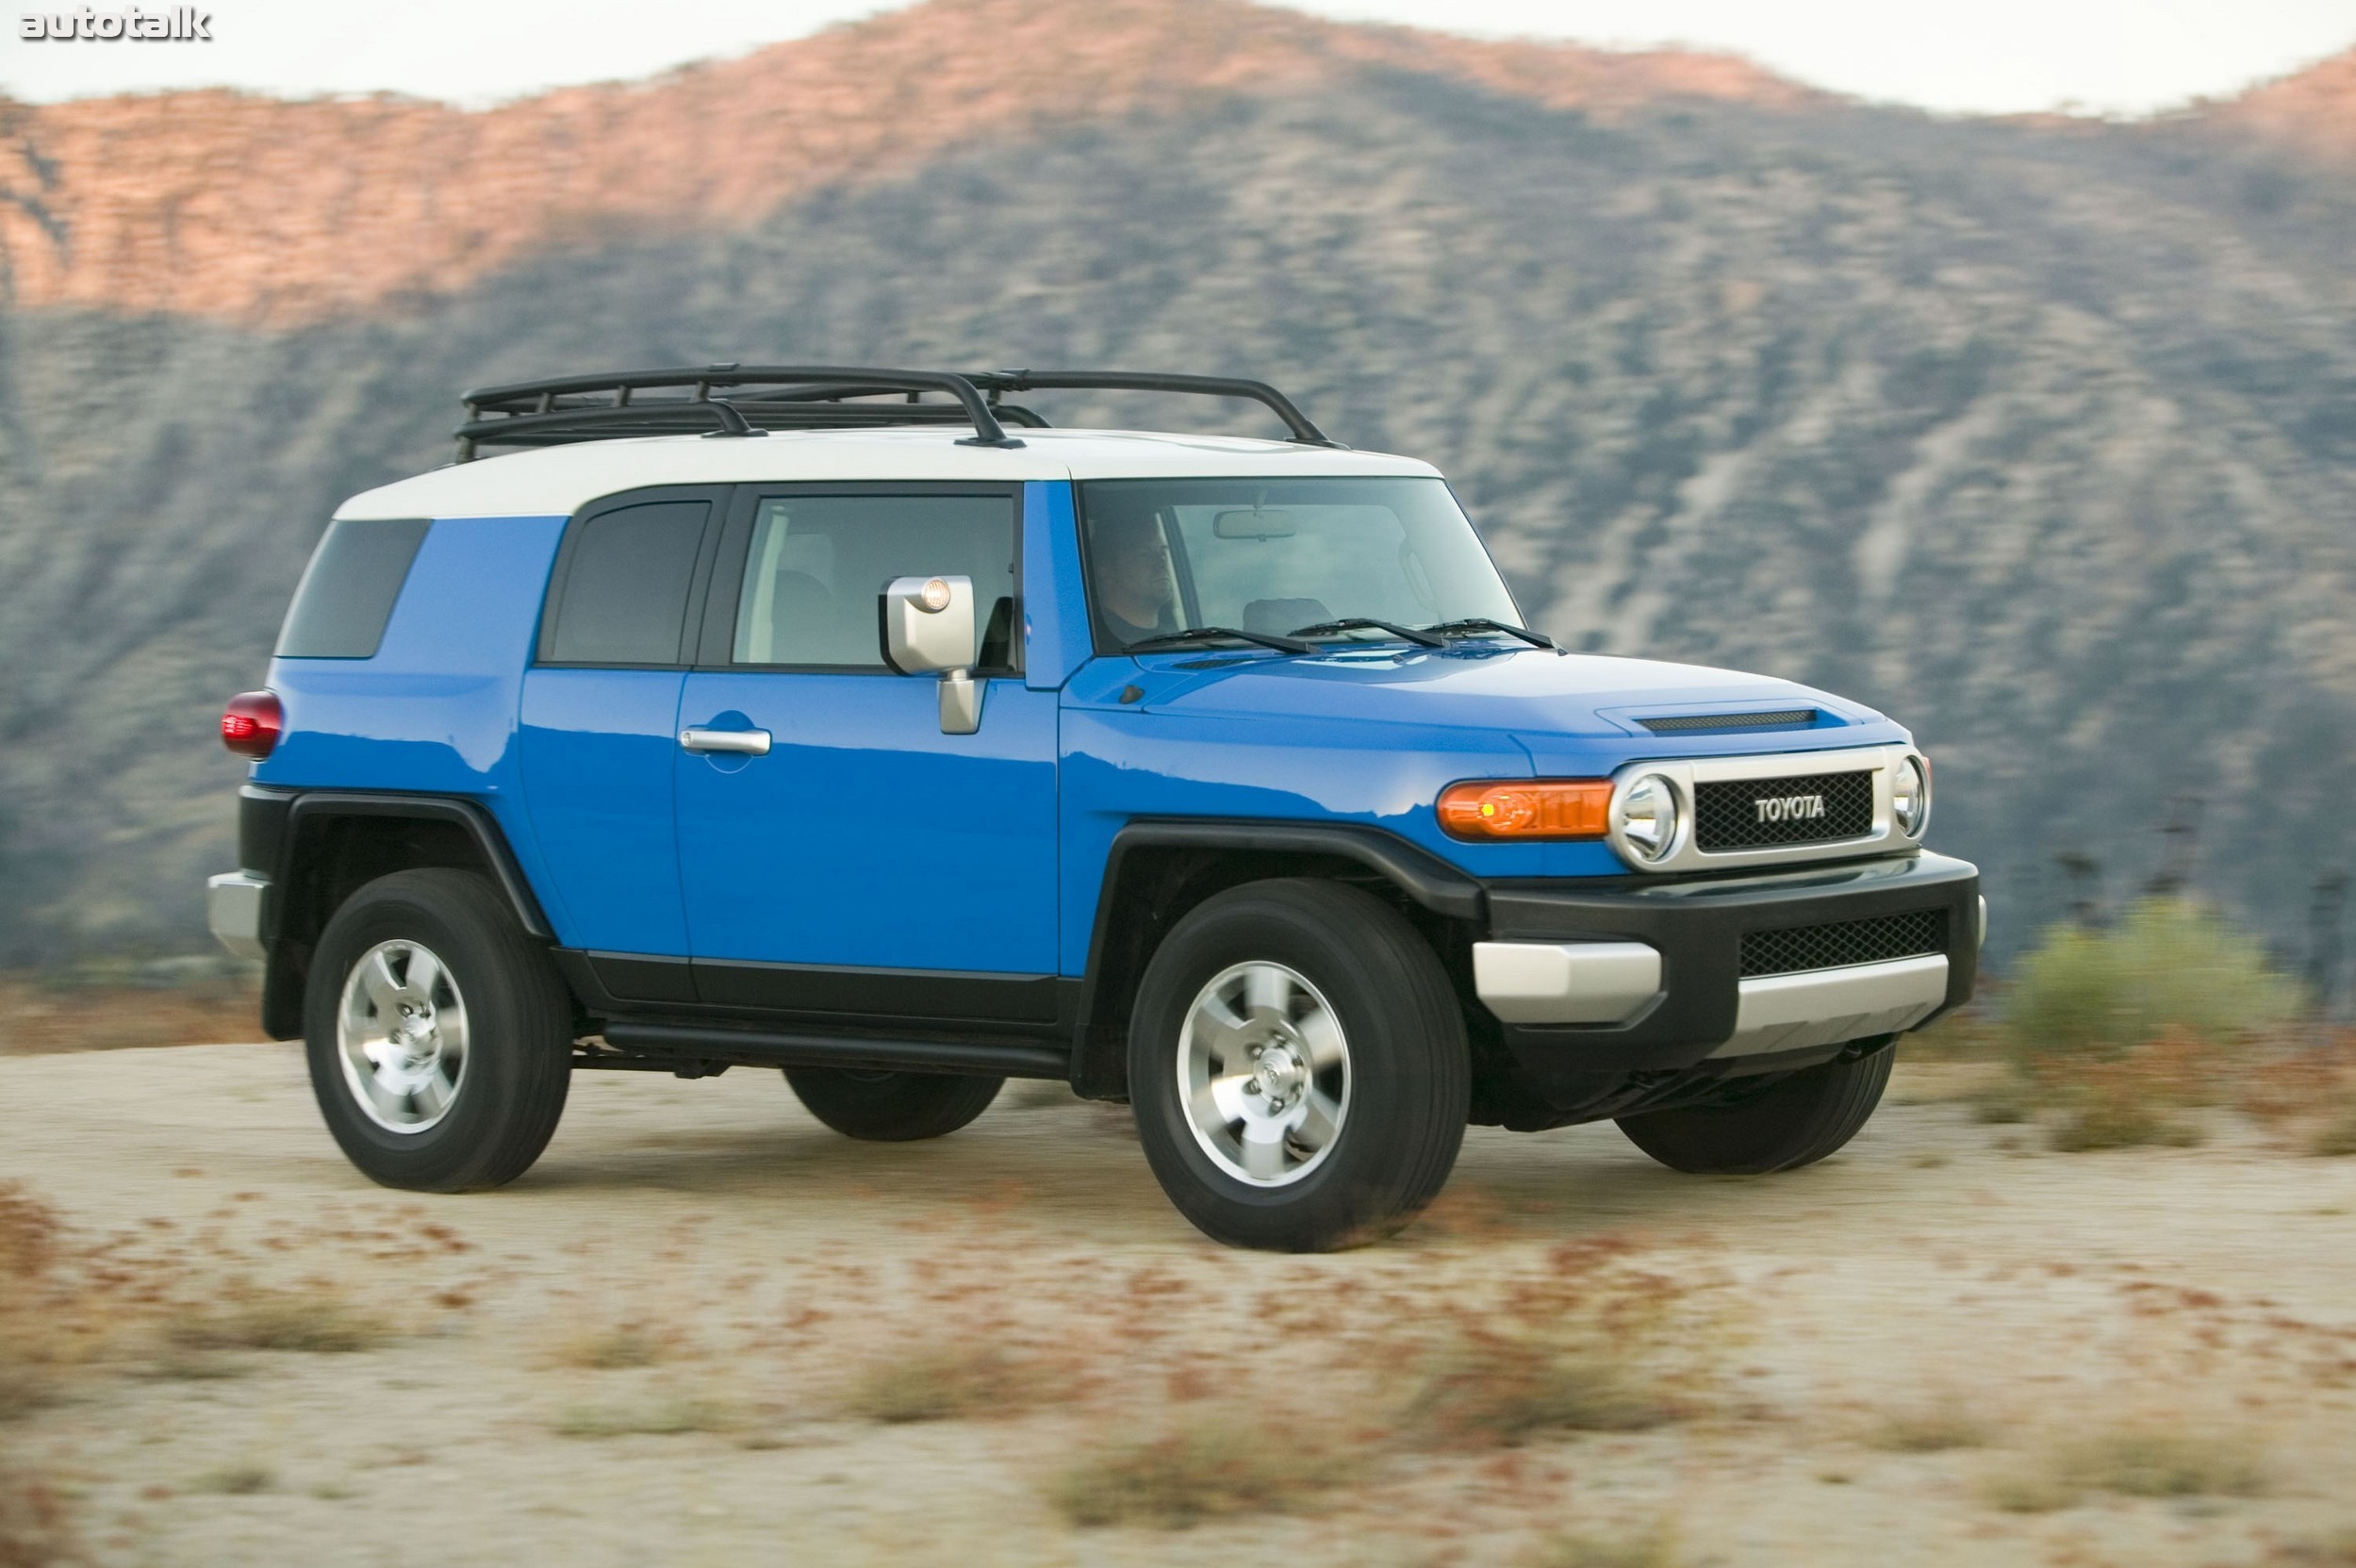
927 627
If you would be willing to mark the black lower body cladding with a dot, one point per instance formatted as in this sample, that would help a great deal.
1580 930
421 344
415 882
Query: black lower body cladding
1698 925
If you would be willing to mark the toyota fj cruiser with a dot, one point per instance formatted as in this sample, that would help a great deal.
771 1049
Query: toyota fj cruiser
805 718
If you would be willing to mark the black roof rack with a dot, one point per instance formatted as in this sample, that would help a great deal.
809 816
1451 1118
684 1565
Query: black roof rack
762 398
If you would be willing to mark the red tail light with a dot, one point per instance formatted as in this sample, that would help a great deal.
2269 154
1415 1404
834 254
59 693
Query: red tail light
250 723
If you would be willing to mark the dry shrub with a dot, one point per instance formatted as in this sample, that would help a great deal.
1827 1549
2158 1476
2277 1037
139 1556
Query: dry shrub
2336 1134
2308 1089
1931 1429
611 1349
2002 1103
103 1013
1656 1548
2126 1031
311 1317
2137 1462
35 1345
1206 1466
2140 1097
1966 1035
2155 1462
665 1417
36 1528
2169 967
178 1363
1504 1388
2029 1492
2288 1085
953 1382
29 1232
1593 1342
242 1479
2331 1551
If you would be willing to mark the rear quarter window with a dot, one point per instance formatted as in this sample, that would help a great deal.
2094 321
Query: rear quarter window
624 585
348 592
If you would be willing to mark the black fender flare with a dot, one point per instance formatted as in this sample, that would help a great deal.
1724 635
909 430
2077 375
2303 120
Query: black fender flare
279 829
1421 876
311 810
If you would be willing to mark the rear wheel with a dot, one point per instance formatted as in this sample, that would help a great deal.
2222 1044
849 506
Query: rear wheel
1796 1121
1298 1068
439 1035
891 1107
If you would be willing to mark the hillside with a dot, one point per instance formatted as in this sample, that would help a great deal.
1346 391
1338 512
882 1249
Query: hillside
232 205
2043 438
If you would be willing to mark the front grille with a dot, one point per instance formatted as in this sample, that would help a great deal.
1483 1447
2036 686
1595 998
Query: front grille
1727 813
1728 723
1884 937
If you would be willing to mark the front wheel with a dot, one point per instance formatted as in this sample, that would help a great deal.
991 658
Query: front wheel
887 1107
1298 1068
1795 1121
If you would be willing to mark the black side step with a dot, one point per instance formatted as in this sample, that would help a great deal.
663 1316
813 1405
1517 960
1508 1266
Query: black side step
773 1048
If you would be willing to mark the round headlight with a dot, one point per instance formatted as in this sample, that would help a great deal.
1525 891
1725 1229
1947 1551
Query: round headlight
1910 795
1647 817
933 597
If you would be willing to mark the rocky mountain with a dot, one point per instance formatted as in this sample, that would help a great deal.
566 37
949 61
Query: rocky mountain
2041 436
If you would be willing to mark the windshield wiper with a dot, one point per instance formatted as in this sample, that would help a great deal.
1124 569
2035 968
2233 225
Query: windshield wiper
1205 634
1365 622
1482 623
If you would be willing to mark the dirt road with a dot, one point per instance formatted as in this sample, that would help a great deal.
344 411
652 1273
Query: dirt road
673 1343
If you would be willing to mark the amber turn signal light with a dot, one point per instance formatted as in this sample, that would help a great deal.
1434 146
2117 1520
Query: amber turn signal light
1535 808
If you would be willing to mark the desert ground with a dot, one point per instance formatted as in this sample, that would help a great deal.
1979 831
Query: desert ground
705 1329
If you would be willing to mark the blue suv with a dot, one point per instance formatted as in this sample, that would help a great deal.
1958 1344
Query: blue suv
854 722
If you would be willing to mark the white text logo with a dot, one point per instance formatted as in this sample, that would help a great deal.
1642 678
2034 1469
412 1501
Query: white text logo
1790 808
180 23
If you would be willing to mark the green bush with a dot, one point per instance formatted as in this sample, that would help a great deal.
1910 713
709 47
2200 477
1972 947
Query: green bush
2169 967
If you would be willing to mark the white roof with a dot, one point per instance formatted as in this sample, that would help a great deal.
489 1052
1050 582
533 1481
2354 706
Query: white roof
558 481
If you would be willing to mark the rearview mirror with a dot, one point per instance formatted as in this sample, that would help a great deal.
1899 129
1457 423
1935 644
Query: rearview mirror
927 628
1254 524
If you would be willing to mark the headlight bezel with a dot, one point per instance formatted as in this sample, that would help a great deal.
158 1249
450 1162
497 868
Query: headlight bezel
1648 819
1910 780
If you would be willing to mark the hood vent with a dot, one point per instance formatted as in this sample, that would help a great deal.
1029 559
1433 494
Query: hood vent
1728 723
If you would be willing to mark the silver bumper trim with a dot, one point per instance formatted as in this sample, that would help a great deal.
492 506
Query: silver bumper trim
233 907
1830 1007
1565 983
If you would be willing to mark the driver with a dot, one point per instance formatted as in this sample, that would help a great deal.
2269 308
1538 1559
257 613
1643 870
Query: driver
1132 570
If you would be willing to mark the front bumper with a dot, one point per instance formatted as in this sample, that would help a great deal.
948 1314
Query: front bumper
1645 974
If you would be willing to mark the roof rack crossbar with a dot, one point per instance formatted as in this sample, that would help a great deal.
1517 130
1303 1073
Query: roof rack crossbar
566 426
535 400
809 397
1303 430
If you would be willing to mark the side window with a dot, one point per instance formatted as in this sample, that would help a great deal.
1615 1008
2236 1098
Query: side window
628 571
816 564
349 589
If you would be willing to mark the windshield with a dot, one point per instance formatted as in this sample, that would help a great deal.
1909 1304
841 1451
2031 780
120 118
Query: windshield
1279 555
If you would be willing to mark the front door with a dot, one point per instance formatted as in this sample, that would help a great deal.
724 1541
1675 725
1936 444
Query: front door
862 863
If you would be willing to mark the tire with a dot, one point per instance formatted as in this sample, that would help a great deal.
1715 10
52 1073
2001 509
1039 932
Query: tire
1797 1121
1362 1049
467 1118
891 1107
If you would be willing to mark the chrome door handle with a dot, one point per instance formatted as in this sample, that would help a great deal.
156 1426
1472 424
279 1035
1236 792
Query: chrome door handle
750 743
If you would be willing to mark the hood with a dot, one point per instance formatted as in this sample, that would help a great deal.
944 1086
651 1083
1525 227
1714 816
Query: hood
1531 693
